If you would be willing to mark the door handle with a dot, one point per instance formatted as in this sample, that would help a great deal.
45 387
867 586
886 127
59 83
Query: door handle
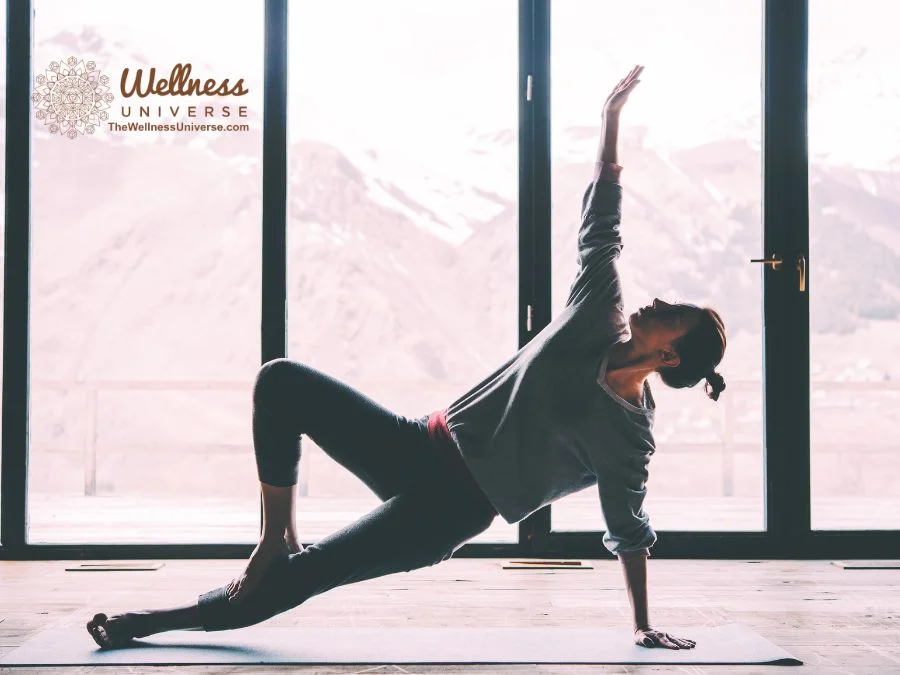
775 261
801 268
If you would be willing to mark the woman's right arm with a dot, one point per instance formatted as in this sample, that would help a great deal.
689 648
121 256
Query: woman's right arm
599 242
607 153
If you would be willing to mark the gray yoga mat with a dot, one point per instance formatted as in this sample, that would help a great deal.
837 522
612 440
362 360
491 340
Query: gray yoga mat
68 645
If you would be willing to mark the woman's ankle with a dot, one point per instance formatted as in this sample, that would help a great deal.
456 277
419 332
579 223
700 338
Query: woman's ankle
272 536
146 623
278 508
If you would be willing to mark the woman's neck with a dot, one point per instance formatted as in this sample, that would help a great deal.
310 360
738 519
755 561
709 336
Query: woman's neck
627 370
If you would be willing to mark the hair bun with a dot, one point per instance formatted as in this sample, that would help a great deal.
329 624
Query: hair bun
715 385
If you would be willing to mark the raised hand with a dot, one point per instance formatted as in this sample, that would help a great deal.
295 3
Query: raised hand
656 638
620 93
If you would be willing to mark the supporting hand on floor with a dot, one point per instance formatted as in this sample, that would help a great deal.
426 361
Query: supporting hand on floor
656 638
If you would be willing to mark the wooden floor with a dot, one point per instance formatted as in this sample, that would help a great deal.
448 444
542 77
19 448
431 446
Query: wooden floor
834 620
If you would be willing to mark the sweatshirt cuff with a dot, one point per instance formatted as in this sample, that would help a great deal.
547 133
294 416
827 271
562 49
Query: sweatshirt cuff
609 172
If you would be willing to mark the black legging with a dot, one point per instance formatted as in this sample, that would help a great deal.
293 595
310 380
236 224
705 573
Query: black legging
428 510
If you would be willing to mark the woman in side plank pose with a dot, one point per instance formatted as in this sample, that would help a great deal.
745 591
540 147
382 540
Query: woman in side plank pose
571 409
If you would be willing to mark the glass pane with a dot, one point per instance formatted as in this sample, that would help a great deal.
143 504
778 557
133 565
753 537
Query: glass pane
854 224
690 147
403 208
146 277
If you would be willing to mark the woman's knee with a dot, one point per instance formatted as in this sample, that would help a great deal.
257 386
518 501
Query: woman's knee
275 379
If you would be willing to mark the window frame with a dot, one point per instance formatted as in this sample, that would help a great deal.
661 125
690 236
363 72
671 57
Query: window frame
786 311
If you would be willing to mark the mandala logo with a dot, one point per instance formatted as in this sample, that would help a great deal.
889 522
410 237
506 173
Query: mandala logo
72 98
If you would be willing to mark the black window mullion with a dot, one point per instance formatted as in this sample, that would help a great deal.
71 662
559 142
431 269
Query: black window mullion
13 511
541 206
273 329
540 159
786 308
526 172
273 320
534 203
526 213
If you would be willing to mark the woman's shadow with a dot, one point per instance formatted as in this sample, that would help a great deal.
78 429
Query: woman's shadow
248 653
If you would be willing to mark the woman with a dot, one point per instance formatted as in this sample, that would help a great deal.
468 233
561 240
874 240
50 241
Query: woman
571 409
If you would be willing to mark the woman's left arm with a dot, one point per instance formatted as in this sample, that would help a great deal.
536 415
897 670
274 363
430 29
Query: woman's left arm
629 536
635 569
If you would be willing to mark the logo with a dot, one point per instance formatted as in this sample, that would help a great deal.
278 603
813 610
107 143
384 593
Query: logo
72 98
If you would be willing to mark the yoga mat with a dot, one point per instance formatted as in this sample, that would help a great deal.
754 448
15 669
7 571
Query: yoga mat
70 645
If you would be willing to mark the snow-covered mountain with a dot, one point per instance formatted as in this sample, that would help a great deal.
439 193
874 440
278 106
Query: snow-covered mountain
403 259
398 237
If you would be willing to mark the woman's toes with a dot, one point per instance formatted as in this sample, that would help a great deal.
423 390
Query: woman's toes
104 636
97 620
94 627
98 634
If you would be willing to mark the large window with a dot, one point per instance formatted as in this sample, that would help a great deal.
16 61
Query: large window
690 147
402 239
854 126
145 279
429 227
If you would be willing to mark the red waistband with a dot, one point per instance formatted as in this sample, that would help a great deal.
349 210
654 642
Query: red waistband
439 433
437 426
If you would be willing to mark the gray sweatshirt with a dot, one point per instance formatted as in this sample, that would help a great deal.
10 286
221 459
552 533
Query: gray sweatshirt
545 424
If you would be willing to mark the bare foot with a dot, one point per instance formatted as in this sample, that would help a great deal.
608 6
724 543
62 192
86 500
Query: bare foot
110 632
267 551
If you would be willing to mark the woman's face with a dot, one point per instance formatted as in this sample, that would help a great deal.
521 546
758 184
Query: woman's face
658 326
